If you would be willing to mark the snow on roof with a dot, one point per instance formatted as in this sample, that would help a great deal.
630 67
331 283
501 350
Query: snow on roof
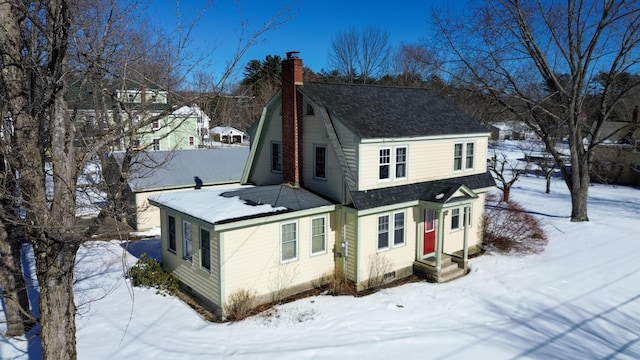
226 130
210 206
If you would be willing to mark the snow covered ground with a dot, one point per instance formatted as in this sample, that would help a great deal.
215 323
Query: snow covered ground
579 299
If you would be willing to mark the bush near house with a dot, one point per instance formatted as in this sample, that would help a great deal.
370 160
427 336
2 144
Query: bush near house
148 272
240 305
508 228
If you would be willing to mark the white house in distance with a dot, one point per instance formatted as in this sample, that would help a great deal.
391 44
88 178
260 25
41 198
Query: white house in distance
370 182
229 135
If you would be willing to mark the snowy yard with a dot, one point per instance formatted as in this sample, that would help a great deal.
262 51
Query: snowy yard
579 299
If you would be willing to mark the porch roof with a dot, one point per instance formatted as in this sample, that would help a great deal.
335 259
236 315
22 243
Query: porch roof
437 191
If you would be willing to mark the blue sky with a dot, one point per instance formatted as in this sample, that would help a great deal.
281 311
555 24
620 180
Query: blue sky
310 31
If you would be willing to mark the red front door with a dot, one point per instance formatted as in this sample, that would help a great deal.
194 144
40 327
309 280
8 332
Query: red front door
429 232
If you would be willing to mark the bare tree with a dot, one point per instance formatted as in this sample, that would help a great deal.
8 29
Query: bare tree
415 63
506 171
360 54
537 60
44 52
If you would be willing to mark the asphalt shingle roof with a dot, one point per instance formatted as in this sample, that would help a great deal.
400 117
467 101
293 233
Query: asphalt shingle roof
381 111
154 170
426 191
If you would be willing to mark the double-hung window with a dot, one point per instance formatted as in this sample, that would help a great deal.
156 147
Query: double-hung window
455 219
156 145
383 232
463 156
457 157
398 228
391 230
276 156
469 156
384 162
288 241
392 163
320 162
192 140
205 249
401 162
318 235
187 241
171 224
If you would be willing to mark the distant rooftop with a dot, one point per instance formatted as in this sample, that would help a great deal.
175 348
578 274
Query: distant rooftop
155 170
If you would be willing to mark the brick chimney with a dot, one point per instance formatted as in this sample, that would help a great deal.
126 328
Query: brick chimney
291 120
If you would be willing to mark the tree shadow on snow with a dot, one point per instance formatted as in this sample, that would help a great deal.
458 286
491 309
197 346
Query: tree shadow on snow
606 329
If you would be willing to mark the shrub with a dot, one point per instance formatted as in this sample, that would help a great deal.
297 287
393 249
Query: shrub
337 284
379 265
149 273
239 304
507 228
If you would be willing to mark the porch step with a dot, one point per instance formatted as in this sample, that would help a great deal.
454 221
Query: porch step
449 270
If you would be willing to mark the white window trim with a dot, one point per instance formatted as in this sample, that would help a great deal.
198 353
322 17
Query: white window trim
155 125
473 157
393 153
315 146
153 144
389 164
460 220
406 162
389 236
200 249
392 230
463 164
184 241
404 229
191 140
297 241
324 229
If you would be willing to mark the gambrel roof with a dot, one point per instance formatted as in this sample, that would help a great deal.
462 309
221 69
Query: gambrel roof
373 112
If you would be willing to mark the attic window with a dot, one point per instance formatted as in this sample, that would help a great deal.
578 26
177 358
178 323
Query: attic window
310 109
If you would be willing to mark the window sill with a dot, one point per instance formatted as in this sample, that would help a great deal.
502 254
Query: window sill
318 253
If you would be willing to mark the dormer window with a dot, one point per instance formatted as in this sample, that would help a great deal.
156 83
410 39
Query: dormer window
384 162
463 156
392 158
